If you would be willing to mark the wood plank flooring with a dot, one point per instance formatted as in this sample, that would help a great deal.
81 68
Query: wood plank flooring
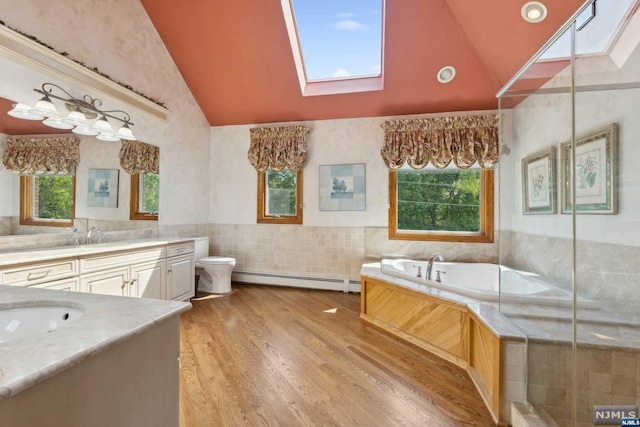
272 356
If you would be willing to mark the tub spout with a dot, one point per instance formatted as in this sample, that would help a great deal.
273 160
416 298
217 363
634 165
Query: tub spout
434 257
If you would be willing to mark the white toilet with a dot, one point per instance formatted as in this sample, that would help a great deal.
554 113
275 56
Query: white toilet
214 271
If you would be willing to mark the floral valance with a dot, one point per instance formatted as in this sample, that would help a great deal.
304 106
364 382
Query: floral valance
278 148
31 155
463 139
139 157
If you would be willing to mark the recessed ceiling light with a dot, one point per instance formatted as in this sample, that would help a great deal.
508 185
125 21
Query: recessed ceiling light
446 74
534 12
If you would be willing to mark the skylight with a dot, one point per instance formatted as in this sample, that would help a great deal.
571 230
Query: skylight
598 34
336 44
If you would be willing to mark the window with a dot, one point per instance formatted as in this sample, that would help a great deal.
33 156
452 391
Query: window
280 197
336 45
453 205
145 196
47 200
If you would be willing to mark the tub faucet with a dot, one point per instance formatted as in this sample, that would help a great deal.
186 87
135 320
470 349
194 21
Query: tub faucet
89 234
434 257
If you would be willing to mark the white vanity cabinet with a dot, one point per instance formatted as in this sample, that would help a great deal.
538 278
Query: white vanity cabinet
125 273
72 284
181 271
111 282
39 272
154 269
149 279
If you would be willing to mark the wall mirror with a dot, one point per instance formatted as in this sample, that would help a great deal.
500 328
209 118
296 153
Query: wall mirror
23 71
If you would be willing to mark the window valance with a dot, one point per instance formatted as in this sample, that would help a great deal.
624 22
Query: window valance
31 155
278 148
463 139
139 157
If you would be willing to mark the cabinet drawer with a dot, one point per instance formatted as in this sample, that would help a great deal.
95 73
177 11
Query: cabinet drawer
39 273
180 248
119 259
71 284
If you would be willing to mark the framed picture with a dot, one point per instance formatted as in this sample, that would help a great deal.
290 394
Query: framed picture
343 187
539 182
596 172
102 190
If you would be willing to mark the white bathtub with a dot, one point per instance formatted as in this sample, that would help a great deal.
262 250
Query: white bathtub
476 280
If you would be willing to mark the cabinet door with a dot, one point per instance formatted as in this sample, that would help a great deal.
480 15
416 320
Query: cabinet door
148 280
181 272
113 282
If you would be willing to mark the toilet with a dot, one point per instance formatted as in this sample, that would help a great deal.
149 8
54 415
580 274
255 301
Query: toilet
214 271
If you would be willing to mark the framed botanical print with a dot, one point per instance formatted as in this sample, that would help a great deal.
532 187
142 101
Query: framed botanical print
596 172
539 182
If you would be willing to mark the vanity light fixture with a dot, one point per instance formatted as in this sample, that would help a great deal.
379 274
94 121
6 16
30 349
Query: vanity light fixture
84 117
534 12
446 74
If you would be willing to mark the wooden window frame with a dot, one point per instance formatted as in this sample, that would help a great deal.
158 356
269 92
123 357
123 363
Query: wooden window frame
27 216
262 218
485 235
134 205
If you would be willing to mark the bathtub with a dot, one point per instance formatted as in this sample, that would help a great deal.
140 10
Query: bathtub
477 280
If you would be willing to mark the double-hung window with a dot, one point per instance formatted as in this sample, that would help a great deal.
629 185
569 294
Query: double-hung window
280 197
145 196
47 199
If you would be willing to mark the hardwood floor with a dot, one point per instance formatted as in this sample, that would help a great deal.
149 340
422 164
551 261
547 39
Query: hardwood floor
273 356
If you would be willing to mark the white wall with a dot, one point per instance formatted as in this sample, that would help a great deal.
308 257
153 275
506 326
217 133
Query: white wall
118 38
543 121
234 180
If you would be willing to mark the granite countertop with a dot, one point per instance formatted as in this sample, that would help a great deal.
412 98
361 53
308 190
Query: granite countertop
106 321
58 252
596 328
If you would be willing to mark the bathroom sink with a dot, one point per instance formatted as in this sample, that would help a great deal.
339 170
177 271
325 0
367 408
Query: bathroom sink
22 322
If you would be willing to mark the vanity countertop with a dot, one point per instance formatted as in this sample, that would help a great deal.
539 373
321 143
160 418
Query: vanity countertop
106 321
36 255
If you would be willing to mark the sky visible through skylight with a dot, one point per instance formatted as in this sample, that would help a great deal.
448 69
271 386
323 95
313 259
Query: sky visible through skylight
596 35
340 38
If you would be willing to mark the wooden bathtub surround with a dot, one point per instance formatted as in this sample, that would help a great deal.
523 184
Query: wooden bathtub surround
444 328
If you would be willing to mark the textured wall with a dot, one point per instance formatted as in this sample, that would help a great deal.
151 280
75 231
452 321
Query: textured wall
118 38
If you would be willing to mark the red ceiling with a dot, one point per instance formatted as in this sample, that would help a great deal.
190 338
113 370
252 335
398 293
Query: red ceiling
236 58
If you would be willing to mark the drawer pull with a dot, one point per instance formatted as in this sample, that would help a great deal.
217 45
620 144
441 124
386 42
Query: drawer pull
132 282
125 283
39 275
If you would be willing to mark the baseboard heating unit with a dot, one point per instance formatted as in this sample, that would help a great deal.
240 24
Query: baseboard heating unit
344 285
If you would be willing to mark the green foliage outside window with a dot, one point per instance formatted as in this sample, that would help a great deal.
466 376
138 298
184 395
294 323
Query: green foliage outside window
281 193
150 192
439 200
54 196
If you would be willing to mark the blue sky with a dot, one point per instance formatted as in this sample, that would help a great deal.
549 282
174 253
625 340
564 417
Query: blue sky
339 38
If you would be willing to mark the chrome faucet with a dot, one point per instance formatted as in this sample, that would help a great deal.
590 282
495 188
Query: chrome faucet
76 239
89 234
434 257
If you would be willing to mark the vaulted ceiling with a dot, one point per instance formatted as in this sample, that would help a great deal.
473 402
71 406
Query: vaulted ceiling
236 57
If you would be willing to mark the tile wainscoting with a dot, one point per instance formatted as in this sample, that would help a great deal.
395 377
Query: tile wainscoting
604 270
328 252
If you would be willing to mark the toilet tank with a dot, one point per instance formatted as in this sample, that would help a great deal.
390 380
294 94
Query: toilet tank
201 247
